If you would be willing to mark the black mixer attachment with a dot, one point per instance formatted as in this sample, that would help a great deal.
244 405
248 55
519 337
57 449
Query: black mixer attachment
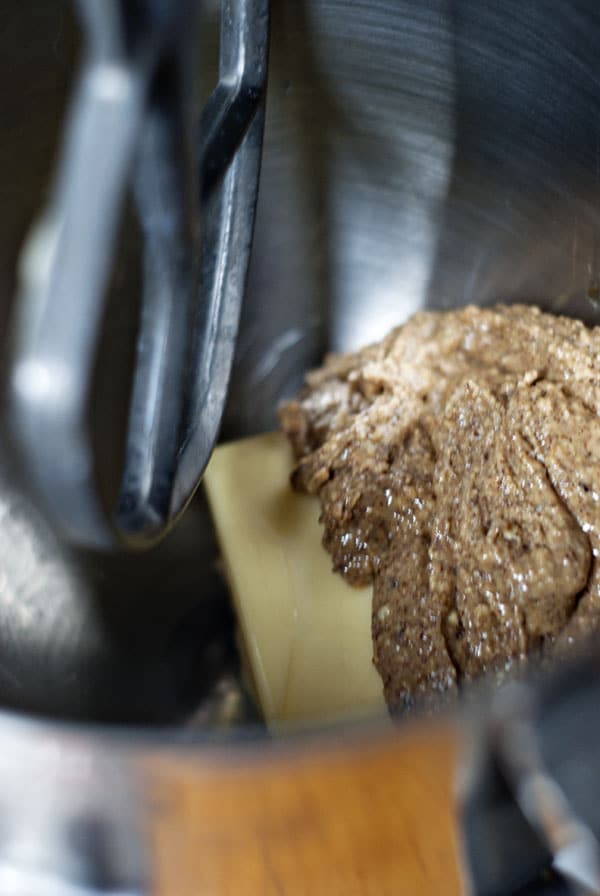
194 184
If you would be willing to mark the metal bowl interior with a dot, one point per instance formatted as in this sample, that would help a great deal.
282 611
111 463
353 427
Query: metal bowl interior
416 155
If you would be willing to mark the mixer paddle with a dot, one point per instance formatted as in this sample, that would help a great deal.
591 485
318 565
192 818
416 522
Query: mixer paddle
129 127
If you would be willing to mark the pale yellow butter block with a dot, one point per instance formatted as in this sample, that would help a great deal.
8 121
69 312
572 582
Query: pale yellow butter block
307 633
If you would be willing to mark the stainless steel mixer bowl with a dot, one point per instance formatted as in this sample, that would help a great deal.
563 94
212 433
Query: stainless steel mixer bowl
417 154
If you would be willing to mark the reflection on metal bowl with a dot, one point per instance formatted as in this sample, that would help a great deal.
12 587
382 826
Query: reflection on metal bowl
416 155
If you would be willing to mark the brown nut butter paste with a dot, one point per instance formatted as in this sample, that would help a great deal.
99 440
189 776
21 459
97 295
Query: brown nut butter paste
458 467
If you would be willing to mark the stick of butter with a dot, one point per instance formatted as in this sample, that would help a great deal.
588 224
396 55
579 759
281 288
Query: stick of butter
306 632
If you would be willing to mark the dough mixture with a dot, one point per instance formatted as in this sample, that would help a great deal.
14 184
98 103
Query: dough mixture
458 467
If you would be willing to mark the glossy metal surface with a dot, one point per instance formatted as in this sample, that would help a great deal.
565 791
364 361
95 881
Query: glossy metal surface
416 154
430 154
134 125
71 818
